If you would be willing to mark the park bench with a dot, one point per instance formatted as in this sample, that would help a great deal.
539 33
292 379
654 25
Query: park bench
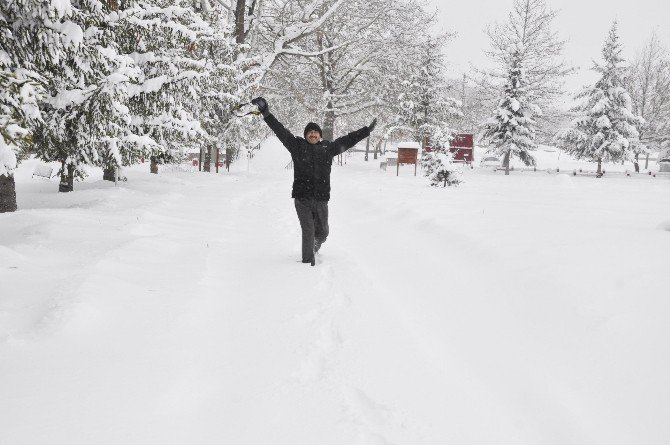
43 171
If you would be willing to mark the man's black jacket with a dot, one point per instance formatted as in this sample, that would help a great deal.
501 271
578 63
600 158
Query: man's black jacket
312 163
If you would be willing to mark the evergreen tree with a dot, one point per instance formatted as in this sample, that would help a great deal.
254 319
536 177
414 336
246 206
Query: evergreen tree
18 109
86 119
438 164
31 44
162 39
226 84
511 130
605 130
424 104
528 76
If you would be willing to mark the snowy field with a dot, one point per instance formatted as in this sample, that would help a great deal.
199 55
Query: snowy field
173 309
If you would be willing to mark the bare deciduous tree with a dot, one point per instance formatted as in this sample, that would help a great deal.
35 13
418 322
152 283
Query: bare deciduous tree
648 82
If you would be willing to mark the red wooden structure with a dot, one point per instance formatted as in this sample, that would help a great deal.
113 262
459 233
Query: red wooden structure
462 147
407 155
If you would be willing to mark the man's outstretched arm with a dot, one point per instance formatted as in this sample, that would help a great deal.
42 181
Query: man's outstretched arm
285 136
344 143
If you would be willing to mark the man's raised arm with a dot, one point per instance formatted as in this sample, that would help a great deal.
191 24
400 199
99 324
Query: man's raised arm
344 143
285 136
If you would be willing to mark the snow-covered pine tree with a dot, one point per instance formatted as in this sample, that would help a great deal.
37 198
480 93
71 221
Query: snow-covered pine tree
31 44
511 130
226 85
18 111
424 104
162 39
86 120
19 90
438 164
528 76
606 128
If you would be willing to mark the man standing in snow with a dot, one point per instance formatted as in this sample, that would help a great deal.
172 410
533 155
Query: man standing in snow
312 161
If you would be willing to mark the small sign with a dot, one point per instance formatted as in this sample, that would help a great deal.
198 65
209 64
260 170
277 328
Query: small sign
407 156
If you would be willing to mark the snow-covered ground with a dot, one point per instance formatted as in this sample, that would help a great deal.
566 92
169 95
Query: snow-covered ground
173 309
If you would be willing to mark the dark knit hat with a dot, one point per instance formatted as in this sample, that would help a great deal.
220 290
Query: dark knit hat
312 126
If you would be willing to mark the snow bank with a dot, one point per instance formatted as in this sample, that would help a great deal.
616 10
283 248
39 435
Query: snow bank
172 308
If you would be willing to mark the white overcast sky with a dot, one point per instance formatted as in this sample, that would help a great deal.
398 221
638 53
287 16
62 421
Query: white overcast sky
583 23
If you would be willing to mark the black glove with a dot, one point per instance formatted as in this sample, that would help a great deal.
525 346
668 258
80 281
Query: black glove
262 105
372 125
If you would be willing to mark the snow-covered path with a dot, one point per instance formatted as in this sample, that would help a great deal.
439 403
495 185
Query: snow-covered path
174 309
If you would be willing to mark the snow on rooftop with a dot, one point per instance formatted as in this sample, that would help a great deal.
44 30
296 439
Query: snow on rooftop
409 144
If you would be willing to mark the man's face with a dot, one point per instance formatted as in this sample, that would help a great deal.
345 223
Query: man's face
313 137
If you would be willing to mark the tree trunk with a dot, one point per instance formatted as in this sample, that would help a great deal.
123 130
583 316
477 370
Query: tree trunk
328 124
328 127
240 7
153 167
646 162
108 174
367 148
208 160
7 194
66 179
506 162
599 170
377 147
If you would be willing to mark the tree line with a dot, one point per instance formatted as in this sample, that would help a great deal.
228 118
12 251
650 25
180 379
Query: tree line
623 115
109 83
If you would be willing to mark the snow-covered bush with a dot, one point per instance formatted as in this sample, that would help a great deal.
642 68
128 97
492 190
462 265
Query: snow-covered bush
438 166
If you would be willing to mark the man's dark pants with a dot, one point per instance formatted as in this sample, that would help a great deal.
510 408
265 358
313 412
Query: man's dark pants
313 216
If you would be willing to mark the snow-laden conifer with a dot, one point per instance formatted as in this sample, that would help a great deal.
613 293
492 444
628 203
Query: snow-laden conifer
438 164
511 131
18 110
229 74
86 119
161 37
424 104
605 129
30 45
416 95
528 76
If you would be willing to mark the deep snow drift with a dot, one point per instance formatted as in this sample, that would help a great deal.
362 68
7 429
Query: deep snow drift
173 309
